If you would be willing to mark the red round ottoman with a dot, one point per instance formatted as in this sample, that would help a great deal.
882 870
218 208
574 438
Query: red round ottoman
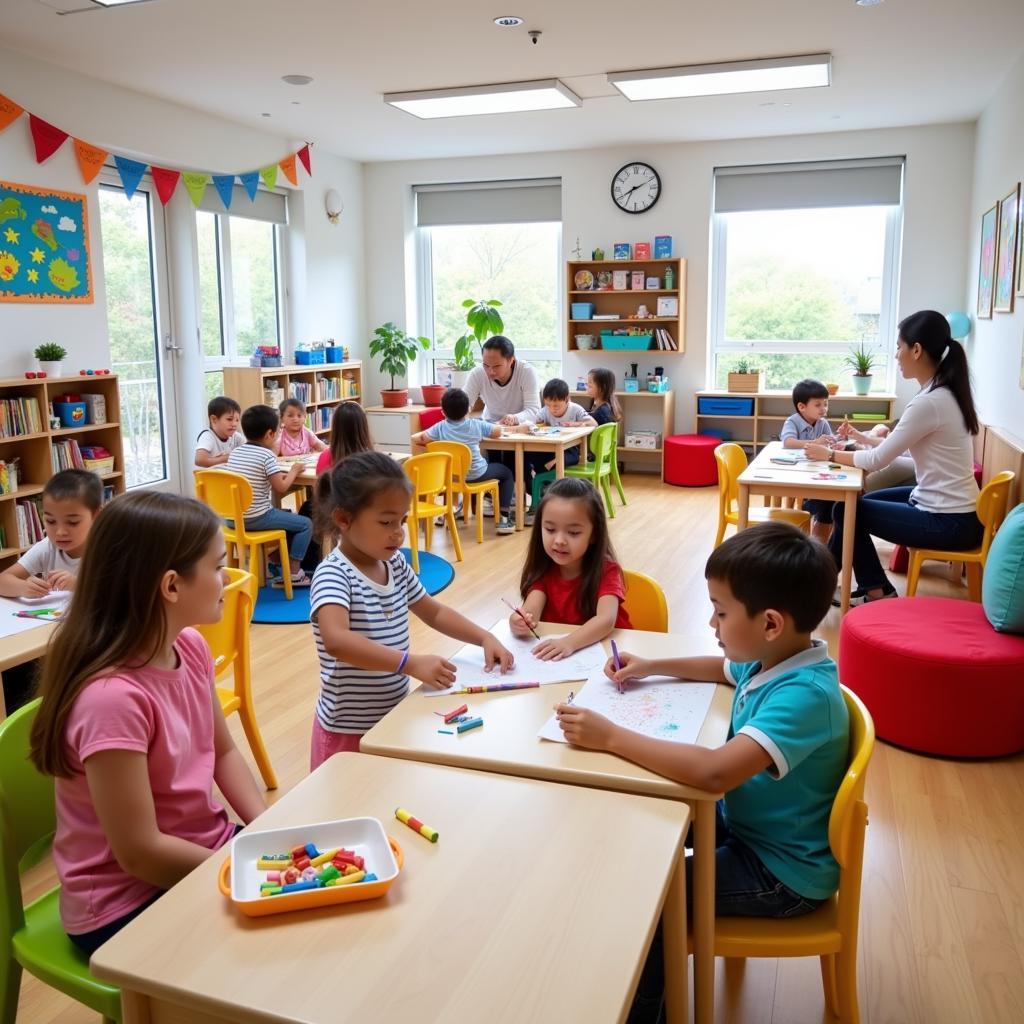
936 676
690 460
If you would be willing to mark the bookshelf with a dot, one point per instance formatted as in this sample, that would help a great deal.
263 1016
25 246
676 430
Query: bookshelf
641 410
36 449
321 387
623 304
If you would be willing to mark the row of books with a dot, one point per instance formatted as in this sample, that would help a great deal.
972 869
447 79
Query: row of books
66 455
30 521
328 389
19 416
664 341
322 418
300 390
8 476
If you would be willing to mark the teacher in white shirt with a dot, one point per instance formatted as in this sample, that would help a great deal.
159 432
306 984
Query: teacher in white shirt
936 428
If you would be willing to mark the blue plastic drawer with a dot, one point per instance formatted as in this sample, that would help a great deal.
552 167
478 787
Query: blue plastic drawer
708 405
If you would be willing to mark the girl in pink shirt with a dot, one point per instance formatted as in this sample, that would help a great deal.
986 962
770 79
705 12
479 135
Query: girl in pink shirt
295 437
130 724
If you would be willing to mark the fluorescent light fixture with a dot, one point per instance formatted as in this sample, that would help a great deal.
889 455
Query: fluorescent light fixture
507 98
717 79
118 3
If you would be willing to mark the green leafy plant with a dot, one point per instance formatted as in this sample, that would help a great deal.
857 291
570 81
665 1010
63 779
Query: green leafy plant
483 321
396 349
51 352
860 360
743 366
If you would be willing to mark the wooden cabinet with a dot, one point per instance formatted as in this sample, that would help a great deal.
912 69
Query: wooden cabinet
642 410
392 429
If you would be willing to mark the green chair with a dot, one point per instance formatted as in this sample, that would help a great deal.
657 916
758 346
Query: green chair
605 467
32 937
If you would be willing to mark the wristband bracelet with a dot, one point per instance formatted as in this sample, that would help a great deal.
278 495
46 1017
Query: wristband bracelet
401 664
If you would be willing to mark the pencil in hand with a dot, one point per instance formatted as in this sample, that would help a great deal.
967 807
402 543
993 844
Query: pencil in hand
519 612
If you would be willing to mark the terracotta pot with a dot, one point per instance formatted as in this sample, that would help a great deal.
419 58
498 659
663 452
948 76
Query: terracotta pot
397 399
432 394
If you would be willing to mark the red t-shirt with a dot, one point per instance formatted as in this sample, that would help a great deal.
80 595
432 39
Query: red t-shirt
562 603
324 462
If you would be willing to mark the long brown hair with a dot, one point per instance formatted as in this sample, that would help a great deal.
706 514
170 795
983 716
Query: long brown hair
350 432
116 616
598 554
604 385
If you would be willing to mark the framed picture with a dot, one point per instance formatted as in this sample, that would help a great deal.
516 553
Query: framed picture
987 263
1006 251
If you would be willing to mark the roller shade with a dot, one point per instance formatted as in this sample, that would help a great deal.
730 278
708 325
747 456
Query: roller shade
271 207
489 202
875 182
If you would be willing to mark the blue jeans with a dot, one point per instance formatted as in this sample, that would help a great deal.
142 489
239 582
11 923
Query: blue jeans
298 528
888 514
506 483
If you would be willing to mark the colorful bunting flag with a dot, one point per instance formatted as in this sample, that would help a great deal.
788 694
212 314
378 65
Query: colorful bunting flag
225 185
131 172
303 155
90 159
9 111
288 166
196 185
269 175
251 181
166 182
47 137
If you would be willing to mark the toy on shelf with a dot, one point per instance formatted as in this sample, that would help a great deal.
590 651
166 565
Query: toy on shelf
91 373
34 375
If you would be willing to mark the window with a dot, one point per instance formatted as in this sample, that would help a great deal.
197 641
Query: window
805 264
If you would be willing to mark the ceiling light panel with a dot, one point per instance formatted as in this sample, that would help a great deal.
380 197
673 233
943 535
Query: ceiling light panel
506 98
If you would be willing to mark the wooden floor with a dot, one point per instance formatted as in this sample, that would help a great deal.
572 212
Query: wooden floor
942 932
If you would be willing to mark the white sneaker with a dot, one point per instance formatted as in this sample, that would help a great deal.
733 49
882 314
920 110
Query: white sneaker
488 505
528 517
505 526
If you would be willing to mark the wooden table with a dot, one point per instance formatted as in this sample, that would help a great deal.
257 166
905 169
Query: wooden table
538 903
556 443
308 475
767 478
508 745
18 648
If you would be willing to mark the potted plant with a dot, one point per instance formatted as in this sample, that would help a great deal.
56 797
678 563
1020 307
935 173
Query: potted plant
396 349
862 362
483 321
51 357
745 378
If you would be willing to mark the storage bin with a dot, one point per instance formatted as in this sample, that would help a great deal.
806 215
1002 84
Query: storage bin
708 405
100 465
626 342
314 358
582 310
72 414
335 353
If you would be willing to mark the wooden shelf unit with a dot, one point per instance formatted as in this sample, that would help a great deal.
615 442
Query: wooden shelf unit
245 384
772 408
624 304
658 410
35 450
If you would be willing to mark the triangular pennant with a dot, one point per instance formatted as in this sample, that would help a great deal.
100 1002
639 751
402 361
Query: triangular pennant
90 159
303 155
47 137
131 172
225 185
269 175
9 111
196 184
166 182
288 166
251 181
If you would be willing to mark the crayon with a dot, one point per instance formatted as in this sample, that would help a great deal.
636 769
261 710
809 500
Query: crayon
473 723
496 687
272 890
447 732
415 824
460 710
327 855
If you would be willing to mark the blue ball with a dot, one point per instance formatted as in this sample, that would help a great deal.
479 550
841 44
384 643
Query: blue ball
959 325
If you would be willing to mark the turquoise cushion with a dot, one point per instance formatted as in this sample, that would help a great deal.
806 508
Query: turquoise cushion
1002 588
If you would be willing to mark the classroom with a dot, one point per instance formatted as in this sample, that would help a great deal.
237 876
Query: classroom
550 479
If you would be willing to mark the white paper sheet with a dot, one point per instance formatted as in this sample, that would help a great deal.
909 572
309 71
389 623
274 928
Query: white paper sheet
663 708
11 623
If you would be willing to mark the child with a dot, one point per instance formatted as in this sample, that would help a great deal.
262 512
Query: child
362 594
570 574
130 724
350 433
458 425
601 388
256 462
221 437
806 426
72 499
295 437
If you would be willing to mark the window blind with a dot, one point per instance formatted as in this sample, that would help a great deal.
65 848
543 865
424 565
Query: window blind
271 207
489 202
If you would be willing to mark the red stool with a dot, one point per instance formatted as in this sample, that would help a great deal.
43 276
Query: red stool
690 460
936 676
429 417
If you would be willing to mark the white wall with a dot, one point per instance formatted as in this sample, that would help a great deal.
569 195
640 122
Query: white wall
996 348
938 184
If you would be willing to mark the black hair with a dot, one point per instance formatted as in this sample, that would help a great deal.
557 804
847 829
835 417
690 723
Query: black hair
221 406
455 404
806 390
257 420
930 330
604 384
499 343
291 403
556 390
353 483
775 565
78 484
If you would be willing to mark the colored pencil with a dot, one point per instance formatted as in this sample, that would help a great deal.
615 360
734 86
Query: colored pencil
519 612
618 665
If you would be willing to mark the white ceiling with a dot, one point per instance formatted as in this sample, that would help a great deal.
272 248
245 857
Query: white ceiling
902 62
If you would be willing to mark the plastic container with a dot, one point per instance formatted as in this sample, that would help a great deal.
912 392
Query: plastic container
72 414
100 465
708 405
315 357
582 310
239 878
626 342
335 353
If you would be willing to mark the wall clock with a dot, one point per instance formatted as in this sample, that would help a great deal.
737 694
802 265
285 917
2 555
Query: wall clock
636 187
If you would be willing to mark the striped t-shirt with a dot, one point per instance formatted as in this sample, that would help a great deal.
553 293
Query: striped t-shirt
352 700
257 464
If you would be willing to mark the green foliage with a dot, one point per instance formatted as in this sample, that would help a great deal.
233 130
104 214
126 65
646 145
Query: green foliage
743 366
51 352
860 360
396 349
484 321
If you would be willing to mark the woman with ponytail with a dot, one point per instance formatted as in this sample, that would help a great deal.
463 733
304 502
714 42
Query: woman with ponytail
936 427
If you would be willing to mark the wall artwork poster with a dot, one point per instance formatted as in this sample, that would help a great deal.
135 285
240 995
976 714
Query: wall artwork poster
987 263
1006 251
44 245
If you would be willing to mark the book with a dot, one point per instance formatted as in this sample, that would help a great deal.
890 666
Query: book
620 280
622 251
642 250
662 247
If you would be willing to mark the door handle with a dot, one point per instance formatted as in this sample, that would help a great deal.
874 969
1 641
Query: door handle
169 345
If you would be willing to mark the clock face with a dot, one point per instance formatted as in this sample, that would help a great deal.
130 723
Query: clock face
636 187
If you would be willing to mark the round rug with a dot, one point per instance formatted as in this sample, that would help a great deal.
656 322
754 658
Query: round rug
273 606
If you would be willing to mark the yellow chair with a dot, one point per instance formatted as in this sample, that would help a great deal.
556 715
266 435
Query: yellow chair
461 456
830 932
229 644
645 602
431 476
732 460
992 508
229 494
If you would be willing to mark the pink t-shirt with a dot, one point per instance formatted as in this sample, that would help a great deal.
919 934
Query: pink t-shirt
168 716
324 462
302 445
